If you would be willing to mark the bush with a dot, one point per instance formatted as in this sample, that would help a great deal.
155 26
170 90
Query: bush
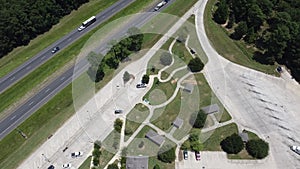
257 148
97 144
196 146
186 145
232 144
193 137
156 166
112 166
195 65
96 153
118 125
200 119
166 59
95 161
167 154
145 79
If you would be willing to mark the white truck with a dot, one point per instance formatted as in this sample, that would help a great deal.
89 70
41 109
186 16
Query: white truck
296 149
161 4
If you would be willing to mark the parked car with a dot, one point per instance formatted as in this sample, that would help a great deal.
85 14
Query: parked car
197 155
51 167
118 111
185 154
54 50
67 165
141 85
76 154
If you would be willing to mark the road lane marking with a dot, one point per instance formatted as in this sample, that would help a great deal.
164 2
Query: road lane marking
13 117
47 90
62 78
30 103
11 79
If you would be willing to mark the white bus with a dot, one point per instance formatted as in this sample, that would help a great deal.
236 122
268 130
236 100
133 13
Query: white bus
87 23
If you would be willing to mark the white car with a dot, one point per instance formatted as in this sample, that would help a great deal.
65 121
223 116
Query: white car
67 165
76 154
296 149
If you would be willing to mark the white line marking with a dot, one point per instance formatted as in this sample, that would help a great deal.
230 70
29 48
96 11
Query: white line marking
62 78
30 103
11 79
47 90
13 117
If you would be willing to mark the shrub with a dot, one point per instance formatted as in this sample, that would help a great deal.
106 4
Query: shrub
156 166
195 65
118 125
145 79
257 148
232 144
112 166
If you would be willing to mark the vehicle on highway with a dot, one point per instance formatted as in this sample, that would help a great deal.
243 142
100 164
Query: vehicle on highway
54 50
118 111
87 23
185 154
142 85
67 165
197 155
161 4
296 149
51 167
76 154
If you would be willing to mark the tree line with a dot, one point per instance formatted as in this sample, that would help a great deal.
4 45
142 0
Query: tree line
21 21
272 26
118 52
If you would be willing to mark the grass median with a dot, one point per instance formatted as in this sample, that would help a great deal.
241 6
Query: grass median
233 50
53 114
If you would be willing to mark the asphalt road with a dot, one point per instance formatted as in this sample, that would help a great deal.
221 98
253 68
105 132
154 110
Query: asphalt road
33 63
34 103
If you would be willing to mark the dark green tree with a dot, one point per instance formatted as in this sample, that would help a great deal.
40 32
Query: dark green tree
196 146
222 12
195 65
255 17
250 36
200 119
112 166
96 153
95 161
232 144
156 166
145 79
240 30
112 62
194 137
257 148
118 125
97 144
231 21
167 154
136 39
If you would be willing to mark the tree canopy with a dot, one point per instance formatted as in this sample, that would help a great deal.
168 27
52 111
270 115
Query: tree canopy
21 21
232 144
195 65
257 148
118 125
200 119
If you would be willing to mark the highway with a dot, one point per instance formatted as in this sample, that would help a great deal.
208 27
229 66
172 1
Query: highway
33 63
35 102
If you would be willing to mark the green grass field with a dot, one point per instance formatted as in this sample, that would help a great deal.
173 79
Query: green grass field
86 164
235 51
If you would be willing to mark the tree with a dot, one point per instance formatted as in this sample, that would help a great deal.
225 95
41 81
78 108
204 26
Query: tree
186 145
156 166
95 161
193 137
195 65
126 77
112 166
167 154
255 17
200 119
118 125
136 39
221 14
196 146
112 62
232 144
166 59
240 30
257 148
231 21
250 36
97 144
145 79
96 153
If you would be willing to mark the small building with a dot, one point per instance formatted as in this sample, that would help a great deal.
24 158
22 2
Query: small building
244 136
137 162
155 137
188 88
177 122
214 108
